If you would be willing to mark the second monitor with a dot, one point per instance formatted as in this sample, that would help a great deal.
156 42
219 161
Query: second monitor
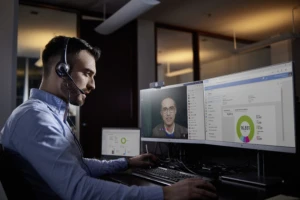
120 142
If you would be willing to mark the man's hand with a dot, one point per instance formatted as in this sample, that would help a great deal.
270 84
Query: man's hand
193 188
142 161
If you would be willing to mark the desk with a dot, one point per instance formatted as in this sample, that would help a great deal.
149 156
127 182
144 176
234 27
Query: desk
226 190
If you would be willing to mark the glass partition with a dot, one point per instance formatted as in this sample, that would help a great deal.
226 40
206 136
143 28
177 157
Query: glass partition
174 56
220 57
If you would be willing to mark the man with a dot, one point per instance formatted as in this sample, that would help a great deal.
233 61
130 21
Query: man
39 137
169 129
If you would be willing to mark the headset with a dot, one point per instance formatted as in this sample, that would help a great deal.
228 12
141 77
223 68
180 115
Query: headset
62 68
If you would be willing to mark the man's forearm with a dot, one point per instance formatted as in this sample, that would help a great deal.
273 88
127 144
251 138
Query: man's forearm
102 167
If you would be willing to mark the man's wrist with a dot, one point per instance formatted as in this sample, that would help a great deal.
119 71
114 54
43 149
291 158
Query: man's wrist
166 192
128 162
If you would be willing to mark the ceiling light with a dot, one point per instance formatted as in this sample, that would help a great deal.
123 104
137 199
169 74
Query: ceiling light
127 13
179 72
184 55
39 62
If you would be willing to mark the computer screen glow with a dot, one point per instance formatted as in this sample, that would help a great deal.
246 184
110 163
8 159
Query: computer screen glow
120 142
173 113
253 109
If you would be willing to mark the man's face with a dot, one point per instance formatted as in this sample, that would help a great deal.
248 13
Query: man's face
83 73
168 111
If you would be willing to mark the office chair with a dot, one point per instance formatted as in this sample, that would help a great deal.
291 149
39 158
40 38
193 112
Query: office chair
20 179
14 185
2 193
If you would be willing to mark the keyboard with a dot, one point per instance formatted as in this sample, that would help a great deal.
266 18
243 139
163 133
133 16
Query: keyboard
165 176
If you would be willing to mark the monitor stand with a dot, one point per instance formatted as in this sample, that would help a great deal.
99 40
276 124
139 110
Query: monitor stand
256 179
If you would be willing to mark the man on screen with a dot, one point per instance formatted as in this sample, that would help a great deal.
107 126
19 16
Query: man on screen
169 129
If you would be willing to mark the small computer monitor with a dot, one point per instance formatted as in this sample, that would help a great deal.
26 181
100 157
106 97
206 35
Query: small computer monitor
120 142
173 114
253 109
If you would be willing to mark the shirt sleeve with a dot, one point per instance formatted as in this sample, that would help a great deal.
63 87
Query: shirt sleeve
39 139
103 167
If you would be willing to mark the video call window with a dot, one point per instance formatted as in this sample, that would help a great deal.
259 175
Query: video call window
173 113
164 113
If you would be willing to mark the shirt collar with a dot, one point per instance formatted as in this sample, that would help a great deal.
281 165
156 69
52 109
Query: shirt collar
55 103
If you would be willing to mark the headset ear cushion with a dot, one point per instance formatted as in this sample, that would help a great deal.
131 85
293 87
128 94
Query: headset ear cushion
62 69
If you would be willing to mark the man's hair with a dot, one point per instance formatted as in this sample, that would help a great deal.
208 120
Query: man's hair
56 46
168 97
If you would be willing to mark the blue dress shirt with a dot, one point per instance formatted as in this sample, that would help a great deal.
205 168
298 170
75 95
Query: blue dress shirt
37 132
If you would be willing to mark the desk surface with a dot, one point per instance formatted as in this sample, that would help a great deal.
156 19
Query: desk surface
226 190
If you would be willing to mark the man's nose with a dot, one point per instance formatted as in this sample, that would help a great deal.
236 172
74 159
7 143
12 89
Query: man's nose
91 84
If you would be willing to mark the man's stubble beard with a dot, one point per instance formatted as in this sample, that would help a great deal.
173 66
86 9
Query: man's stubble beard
71 93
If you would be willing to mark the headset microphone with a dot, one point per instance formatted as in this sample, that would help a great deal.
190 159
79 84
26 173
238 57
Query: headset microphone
71 79
62 67
75 84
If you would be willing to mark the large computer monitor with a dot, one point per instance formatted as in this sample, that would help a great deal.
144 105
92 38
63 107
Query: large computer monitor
253 109
173 114
120 142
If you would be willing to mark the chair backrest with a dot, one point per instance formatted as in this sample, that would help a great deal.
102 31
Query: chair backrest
12 180
20 178
2 193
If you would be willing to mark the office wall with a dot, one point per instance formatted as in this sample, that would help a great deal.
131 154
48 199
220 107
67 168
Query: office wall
8 57
114 102
146 54
281 51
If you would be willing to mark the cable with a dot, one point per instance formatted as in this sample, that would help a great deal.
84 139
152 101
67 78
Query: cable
155 148
74 136
79 147
160 148
186 167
